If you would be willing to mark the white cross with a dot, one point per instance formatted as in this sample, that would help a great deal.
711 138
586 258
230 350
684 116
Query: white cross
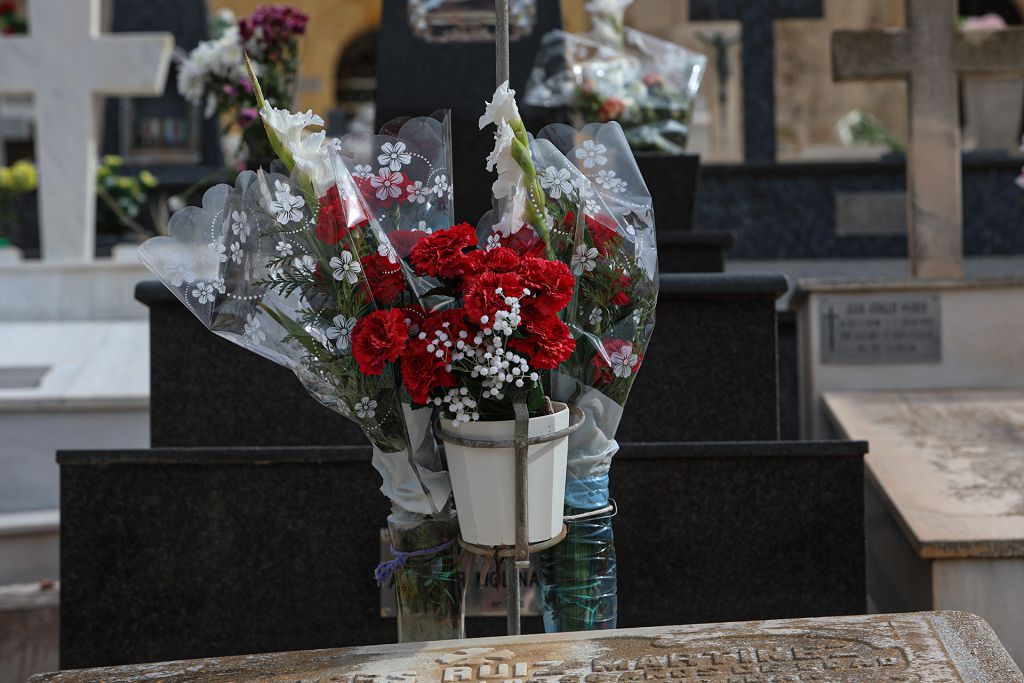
67 66
930 54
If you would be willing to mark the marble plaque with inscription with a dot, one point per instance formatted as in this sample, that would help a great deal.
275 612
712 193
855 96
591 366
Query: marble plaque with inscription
899 327
926 646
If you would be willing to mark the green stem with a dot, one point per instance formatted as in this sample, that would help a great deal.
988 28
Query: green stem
535 202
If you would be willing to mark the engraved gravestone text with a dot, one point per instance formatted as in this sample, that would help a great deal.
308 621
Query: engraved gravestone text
902 327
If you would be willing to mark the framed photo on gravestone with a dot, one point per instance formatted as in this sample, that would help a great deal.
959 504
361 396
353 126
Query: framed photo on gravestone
440 55
165 129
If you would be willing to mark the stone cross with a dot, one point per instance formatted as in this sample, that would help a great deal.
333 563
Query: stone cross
758 54
67 66
930 54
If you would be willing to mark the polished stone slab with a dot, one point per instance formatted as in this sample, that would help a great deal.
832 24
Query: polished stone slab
937 647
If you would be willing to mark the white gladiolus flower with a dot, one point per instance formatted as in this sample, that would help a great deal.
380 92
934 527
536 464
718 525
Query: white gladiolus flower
502 108
288 126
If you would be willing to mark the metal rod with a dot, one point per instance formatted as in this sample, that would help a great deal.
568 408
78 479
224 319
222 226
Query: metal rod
522 452
512 597
501 41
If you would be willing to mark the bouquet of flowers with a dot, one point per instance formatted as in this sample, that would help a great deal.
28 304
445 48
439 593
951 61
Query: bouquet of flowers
306 270
214 70
619 74
588 206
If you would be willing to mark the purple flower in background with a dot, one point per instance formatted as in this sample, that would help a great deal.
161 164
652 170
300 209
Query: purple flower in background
247 115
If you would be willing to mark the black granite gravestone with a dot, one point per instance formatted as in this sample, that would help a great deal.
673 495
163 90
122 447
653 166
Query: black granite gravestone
713 352
758 48
789 210
710 373
165 130
417 76
180 553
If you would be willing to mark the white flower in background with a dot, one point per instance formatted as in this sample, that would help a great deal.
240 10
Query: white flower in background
388 252
394 156
592 153
363 171
584 259
595 317
220 58
284 248
346 268
306 263
240 225
179 267
418 192
252 330
609 181
203 292
493 241
341 331
623 361
288 126
366 407
501 108
286 207
607 7
387 183
441 185
556 181
236 252
218 284
636 317
219 250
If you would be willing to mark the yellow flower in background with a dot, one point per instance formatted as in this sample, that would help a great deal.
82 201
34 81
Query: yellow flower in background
125 183
112 160
23 176
6 178
148 179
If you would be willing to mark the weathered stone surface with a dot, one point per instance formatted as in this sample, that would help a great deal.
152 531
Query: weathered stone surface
28 630
935 647
950 463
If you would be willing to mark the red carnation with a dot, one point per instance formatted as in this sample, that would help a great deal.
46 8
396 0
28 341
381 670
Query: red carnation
619 359
331 223
442 253
423 371
605 238
377 338
482 299
620 290
496 260
525 243
404 240
550 282
384 280
548 342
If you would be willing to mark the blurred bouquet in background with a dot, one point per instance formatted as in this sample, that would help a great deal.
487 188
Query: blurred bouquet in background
858 128
11 20
122 198
17 179
214 76
615 73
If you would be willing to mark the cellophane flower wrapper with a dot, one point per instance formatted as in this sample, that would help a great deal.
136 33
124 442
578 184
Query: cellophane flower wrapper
601 223
287 266
616 73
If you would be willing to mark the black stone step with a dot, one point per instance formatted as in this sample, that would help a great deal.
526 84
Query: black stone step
693 251
180 553
711 370
710 374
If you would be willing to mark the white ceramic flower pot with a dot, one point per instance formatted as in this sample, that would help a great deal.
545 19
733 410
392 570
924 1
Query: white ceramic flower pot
483 480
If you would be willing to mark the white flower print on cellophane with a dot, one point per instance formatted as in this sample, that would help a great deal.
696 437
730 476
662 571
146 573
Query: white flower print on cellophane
609 188
251 295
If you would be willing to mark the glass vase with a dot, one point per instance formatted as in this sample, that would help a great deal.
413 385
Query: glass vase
578 576
429 585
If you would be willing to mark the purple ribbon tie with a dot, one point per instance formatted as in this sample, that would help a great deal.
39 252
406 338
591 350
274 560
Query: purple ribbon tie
384 570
